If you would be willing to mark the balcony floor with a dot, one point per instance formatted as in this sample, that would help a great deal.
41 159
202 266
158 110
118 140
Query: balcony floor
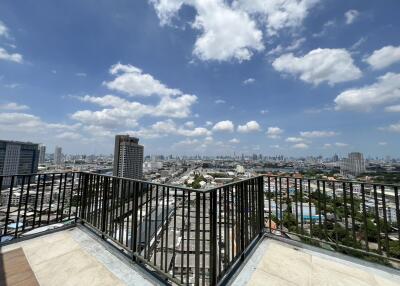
274 262
74 257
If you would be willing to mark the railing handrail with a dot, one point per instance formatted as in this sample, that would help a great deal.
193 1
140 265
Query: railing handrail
334 181
137 180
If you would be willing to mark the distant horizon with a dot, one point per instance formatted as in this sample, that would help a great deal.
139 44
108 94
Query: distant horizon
302 78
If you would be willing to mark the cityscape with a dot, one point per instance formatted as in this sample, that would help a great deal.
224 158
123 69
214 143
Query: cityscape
215 142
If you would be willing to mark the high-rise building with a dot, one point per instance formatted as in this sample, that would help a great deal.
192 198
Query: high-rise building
18 158
128 157
42 154
354 165
58 155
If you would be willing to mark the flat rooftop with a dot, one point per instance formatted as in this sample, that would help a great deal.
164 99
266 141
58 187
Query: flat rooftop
275 262
70 257
77 257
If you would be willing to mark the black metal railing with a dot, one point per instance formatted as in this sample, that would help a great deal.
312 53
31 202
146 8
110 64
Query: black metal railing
189 236
200 236
357 218
28 202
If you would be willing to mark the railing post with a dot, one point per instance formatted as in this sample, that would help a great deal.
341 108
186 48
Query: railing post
213 237
135 218
84 194
242 211
104 207
197 241
261 203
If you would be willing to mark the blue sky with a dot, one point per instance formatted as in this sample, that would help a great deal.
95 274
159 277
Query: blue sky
304 77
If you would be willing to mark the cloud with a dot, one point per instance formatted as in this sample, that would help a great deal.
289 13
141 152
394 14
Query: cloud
251 126
3 30
225 33
69 136
382 143
300 146
249 81
294 139
395 127
220 101
13 106
340 144
274 132
384 57
278 14
169 127
320 65
327 145
189 124
228 29
81 74
28 123
384 91
119 112
393 108
234 141
279 49
224 126
318 134
209 123
132 81
264 111
12 85
15 57
351 16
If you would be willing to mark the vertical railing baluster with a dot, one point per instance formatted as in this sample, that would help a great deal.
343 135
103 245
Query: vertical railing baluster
364 217
197 242
353 226
378 224
269 204
213 238
9 205
19 206
325 217
301 206
309 207
396 199
26 202
385 222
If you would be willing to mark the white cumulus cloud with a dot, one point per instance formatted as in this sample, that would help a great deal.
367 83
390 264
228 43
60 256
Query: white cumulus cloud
225 125
251 126
384 57
278 14
132 81
318 134
351 16
274 132
3 30
294 139
385 91
249 81
225 32
300 146
12 57
320 65
12 106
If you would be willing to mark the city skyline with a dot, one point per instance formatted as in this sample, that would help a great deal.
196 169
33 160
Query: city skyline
323 81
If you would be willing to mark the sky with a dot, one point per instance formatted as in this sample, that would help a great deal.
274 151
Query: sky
208 77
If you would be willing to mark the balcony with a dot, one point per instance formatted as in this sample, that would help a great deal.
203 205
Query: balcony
267 229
